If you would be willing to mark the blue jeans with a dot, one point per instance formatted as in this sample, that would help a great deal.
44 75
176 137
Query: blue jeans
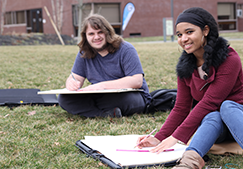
232 115
217 127
207 133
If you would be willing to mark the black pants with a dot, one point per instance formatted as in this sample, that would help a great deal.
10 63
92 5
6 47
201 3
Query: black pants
92 105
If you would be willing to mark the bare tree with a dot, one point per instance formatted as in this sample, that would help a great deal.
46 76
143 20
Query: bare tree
3 4
57 13
80 6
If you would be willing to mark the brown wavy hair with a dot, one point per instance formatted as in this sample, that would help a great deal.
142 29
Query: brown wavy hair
97 21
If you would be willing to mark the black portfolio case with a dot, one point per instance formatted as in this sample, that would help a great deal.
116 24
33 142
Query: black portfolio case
17 97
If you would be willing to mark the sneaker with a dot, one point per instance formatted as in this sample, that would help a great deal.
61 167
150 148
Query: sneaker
116 112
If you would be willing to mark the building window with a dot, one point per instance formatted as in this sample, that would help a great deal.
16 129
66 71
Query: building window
227 16
8 18
86 8
17 17
111 11
20 17
135 34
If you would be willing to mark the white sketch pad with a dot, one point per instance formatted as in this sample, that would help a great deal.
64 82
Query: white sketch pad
65 91
107 145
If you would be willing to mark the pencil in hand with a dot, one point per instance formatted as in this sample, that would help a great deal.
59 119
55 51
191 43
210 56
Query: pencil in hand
145 137
73 76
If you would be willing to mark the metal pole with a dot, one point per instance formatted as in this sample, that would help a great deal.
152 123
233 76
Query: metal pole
172 16
164 29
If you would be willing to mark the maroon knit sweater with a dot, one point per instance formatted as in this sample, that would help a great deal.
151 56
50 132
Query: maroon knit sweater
225 83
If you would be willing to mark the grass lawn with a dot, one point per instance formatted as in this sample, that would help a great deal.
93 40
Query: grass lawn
229 35
46 139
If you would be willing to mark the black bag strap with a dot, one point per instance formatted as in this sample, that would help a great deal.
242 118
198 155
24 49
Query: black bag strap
161 91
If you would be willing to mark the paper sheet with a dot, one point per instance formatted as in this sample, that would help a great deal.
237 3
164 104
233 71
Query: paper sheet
65 91
107 145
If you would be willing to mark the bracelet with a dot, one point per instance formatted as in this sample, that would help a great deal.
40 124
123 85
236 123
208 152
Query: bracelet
226 165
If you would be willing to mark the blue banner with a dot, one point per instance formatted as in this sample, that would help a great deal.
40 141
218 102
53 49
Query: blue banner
127 14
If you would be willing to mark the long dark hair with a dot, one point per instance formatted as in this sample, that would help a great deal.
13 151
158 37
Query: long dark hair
97 21
212 36
215 50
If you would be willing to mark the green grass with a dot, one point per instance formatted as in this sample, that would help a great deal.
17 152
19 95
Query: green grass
230 35
46 139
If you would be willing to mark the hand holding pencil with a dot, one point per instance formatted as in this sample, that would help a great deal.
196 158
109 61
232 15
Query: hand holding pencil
147 141
72 83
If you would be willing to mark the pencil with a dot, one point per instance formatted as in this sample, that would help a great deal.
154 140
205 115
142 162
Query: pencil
132 150
74 79
73 76
166 150
145 137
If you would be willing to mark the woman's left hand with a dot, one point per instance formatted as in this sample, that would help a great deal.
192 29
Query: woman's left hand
165 144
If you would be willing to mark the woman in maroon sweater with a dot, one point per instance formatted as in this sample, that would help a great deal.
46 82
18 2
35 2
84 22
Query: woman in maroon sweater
210 72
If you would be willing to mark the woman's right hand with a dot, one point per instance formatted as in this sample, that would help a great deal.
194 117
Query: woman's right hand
148 142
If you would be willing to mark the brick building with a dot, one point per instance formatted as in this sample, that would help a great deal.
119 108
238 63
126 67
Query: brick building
25 16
